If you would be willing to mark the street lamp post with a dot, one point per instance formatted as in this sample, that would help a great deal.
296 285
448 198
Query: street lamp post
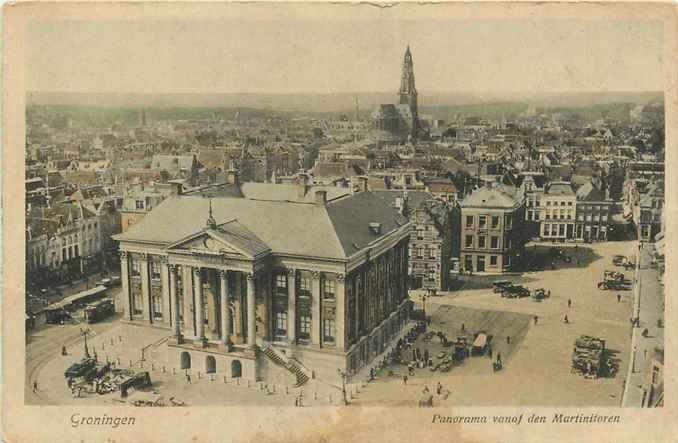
633 361
84 333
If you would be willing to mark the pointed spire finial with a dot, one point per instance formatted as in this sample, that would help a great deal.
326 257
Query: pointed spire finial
211 222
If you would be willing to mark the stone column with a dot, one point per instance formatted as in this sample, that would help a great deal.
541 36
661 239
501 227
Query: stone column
340 317
225 314
146 288
237 299
187 283
126 294
315 310
199 316
251 312
166 302
291 306
174 297
211 300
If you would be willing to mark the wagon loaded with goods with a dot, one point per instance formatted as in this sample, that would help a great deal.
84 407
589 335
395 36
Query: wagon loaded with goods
588 356
515 291
613 280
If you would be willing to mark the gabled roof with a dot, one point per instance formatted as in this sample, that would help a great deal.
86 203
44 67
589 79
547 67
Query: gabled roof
339 229
490 198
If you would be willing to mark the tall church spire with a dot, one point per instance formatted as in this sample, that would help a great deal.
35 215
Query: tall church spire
408 91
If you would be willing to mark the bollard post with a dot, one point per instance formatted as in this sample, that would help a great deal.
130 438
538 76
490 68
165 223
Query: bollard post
248 383
198 375
286 390
225 379
174 371
120 338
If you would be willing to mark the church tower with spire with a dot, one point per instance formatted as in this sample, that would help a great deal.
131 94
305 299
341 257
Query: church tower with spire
408 92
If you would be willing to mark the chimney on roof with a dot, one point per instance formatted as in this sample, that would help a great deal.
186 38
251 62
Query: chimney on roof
321 197
302 183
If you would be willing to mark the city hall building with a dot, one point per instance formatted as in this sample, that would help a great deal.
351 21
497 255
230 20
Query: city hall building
309 279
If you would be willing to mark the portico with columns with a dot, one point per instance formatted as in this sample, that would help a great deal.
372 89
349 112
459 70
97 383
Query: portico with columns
233 305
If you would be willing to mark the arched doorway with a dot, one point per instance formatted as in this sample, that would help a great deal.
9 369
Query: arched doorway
236 369
185 360
210 365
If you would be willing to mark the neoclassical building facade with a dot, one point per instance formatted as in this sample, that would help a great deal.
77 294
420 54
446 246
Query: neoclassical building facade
310 281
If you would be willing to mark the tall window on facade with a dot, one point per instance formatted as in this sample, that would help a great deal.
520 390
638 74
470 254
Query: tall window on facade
469 221
137 303
136 268
155 270
495 222
481 241
328 330
468 242
494 242
281 283
328 289
432 254
281 323
508 222
157 305
493 260
305 327
482 220
305 287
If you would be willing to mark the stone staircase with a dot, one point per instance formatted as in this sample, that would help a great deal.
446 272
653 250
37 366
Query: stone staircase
287 364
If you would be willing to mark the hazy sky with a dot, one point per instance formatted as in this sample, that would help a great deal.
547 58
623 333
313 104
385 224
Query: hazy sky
343 56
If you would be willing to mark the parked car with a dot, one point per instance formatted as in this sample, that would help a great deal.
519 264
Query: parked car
500 285
619 260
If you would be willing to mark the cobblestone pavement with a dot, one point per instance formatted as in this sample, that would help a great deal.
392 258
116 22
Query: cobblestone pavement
538 371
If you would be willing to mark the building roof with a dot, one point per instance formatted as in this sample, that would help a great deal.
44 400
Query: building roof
335 230
560 188
588 192
172 162
491 197
289 193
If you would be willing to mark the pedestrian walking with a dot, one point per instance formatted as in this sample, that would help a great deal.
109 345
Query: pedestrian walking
536 319
439 388
618 298
508 338
404 379
425 391
645 354
548 293
566 320
63 350
463 327
569 303
188 379
35 385
498 358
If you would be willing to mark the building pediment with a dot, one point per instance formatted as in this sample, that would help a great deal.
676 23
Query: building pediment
226 240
